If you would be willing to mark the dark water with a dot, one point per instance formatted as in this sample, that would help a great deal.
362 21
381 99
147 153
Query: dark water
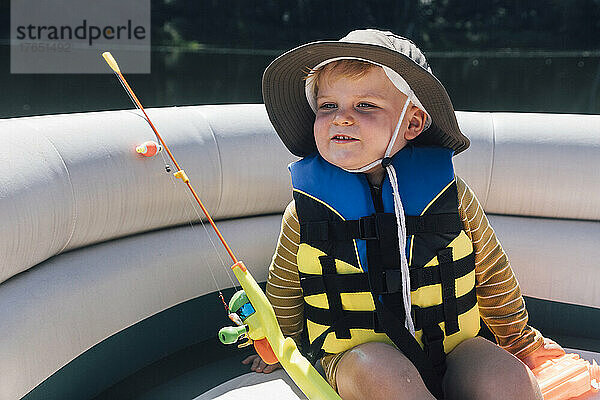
532 82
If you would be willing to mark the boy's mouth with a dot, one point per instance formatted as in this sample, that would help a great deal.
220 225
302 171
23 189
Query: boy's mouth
343 139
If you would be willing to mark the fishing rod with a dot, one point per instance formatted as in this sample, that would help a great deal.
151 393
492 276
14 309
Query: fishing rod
180 173
249 308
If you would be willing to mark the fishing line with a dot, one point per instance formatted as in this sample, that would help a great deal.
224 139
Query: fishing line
127 91
179 174
196 236
193 206
190 199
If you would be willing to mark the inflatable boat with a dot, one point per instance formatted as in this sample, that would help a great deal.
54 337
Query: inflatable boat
109 281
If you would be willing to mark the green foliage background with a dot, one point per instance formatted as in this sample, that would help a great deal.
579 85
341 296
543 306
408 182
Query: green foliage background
441 25
491 55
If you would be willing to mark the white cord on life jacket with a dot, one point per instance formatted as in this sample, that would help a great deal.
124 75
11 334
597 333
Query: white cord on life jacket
399 211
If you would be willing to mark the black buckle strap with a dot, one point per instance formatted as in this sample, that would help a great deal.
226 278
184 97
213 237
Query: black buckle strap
433 344
363 228
388 281
367 228
377 326
433 223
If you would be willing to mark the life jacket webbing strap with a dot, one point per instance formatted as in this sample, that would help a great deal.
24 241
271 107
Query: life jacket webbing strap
448 290
425 276
433 344
423 317
333 297
435 314
408 345
433 223
366 227
311 232
383 282
399 335
388 281
344 283
352 319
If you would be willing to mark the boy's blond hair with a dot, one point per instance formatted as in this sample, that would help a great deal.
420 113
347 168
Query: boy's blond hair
353 69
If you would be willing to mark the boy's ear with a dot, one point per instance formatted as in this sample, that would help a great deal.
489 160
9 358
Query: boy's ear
416 123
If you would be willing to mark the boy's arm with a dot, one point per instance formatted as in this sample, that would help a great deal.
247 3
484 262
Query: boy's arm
283 284
498 293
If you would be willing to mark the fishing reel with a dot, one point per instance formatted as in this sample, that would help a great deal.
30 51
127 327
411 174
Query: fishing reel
246 331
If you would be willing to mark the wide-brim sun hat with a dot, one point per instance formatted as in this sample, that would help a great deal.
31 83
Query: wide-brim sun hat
292 117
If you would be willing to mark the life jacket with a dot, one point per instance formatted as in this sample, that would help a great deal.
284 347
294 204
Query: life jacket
349 260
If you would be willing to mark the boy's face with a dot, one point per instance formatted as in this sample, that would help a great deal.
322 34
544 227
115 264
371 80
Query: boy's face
356 118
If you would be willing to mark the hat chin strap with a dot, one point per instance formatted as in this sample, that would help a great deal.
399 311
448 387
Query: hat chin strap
390 145
400 220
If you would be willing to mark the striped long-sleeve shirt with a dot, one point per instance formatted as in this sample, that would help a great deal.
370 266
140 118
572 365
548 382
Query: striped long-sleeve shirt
498 294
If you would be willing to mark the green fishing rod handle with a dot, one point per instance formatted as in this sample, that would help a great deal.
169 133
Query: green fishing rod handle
231 334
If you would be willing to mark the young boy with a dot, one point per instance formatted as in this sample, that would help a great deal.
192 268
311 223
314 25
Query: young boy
386 261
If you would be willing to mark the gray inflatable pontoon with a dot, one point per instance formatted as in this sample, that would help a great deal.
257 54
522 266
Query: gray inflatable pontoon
107 290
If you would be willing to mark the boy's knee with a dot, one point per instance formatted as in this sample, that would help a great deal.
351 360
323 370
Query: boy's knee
379 371
364 357
514 382
377 357
503 377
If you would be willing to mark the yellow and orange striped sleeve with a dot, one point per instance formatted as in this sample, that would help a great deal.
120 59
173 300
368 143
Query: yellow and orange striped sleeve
498 293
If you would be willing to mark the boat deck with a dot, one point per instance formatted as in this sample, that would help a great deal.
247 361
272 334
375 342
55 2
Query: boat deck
183 376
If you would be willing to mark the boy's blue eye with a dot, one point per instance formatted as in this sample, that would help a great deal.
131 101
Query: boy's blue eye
328 106
365 105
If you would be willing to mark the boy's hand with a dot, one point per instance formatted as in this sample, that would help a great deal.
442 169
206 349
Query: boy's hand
549 350
258 365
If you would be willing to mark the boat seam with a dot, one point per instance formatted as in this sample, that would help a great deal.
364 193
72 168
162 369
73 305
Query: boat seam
74 215
492 160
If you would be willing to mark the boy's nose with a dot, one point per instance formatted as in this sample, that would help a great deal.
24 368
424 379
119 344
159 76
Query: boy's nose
343 118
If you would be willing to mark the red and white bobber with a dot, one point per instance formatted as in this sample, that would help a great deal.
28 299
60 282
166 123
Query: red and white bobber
149 148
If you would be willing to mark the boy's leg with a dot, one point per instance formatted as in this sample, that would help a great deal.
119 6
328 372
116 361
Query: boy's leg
479 369
379 371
